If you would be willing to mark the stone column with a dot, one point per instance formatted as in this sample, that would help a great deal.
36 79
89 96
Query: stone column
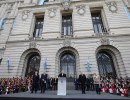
4 10
1 8
16 11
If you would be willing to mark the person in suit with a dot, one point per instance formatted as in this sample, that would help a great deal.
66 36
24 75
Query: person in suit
55 83
91 83
43 82
88 83
35 81
82 80
62 74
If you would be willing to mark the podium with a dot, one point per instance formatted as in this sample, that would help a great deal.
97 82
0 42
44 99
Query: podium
61 86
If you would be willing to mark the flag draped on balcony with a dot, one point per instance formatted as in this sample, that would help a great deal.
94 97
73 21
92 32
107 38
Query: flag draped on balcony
45 64
8 63
2 22
88 67
13 24
127 11
41 2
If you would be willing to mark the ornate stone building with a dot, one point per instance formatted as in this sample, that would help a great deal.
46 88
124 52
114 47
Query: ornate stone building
88 36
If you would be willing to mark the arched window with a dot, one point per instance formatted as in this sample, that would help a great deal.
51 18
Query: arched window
68 64
33 64
105 64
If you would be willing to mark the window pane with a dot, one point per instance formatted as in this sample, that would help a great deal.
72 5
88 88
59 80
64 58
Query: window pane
38 27
67 24
97 22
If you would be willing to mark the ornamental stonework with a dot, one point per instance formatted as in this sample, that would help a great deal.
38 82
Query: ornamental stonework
67 43
32 44
81 9
105 41
66 4
112 6
25 15
52 12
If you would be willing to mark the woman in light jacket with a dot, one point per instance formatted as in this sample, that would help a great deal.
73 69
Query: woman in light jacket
97 83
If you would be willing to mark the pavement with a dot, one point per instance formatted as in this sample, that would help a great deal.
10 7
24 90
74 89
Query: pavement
71 94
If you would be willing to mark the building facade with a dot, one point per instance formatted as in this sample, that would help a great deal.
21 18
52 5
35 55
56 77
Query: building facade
77 36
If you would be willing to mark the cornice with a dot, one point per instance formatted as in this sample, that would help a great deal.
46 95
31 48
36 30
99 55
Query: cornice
84 37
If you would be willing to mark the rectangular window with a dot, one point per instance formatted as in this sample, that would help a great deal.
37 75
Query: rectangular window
67 29
38 26
98 22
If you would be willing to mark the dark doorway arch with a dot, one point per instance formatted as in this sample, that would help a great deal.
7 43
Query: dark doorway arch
105 64
68 64
33 64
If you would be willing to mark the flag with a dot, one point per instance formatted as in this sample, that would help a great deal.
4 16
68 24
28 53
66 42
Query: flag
45 64
13 24
127 11
8 61
2 22
88 67
41 2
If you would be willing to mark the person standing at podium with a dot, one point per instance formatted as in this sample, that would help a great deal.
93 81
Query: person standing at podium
62 74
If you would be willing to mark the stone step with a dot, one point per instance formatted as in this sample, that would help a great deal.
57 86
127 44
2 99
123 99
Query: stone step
70 85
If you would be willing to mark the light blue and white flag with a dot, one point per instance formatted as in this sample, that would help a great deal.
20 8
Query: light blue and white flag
13 24
41 2
45 64
2 22
88 67
8 61
127 11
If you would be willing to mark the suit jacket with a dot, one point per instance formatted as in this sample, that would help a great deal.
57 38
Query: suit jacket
62 75
82 79
35 78
44 77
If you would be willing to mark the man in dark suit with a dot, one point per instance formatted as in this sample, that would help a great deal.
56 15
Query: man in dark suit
43 82
88 83
82 80
62 74
35 82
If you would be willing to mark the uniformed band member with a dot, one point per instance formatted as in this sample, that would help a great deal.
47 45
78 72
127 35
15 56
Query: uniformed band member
43 82
1 89
35 82
82 80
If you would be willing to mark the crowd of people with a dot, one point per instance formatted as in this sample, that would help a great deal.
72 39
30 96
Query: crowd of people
27 84
35 82
118 86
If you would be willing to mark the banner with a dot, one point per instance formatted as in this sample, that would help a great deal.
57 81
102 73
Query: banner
45 64
2 22
13 24
127 11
